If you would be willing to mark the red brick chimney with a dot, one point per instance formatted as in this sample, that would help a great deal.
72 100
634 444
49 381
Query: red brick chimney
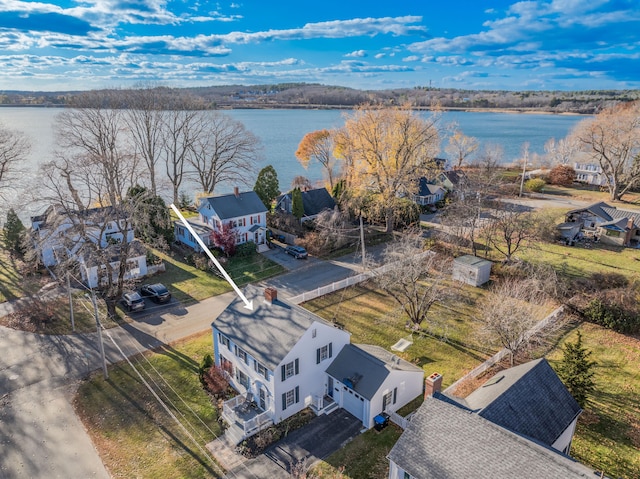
271 295
236 191
433 384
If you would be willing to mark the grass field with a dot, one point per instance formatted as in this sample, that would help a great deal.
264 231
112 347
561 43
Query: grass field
608 433
135 436
13 284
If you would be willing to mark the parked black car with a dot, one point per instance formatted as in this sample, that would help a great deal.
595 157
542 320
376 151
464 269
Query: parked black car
132 301
296 251
157 292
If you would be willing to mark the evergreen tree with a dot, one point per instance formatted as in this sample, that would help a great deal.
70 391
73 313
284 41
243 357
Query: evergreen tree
13 232
576 370
267 186
297 208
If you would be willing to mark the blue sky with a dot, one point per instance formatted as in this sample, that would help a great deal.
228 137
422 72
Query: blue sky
469 44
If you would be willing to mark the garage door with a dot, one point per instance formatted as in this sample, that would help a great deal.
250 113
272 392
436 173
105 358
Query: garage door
352 402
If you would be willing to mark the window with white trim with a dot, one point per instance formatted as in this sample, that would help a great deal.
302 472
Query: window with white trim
242 354
323 353
224 340
290 398
290 369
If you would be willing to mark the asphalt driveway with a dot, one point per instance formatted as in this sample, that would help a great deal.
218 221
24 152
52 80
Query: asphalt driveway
317 440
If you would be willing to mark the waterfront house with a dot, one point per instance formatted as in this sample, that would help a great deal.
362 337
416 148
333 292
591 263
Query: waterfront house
243 210
604 223
428 193
314 202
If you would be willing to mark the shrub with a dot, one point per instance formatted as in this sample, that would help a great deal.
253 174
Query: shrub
535 184
216 381
562 175
245 249
611 315
205 364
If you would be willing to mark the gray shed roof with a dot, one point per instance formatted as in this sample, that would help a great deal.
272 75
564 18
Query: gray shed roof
610 214
471 260
232 206
367 367
269 331
444 441
528 399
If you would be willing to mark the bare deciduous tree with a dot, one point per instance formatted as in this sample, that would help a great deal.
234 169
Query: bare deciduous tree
512 228
415 278
223 151
180 130
508 314
461 147
561 152
14 148
612 140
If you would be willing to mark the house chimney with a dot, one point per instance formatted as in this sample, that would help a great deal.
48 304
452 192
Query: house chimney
271 295
432 385
236 191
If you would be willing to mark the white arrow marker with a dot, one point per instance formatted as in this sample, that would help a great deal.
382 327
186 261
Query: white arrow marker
247 304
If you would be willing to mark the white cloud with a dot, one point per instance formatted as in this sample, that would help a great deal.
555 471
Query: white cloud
357 54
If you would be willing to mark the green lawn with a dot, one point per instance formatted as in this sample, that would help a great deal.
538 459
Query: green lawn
189 284
135 436
12 283
608 432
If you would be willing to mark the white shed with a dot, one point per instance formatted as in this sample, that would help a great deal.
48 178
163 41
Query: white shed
471 270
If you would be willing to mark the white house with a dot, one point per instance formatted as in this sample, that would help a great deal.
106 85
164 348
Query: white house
471 270
519 423
57 232
282 358
428 193
244 211
590 173
94 271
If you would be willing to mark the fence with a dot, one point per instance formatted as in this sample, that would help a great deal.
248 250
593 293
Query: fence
345 283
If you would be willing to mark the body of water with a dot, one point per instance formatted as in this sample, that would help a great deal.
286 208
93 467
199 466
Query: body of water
281 130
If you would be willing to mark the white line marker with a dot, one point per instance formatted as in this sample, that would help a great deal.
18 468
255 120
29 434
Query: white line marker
247 304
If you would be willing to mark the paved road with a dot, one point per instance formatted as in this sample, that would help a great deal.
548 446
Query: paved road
40 435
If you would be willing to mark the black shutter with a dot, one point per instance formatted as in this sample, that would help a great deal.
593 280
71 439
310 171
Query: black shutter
297 369
330 350
318 356
297 394
284 401
283 370
255 365
395 394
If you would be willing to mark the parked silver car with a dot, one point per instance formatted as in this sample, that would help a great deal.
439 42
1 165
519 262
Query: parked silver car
133 301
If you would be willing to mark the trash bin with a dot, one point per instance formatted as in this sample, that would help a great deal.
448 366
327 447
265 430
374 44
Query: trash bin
380 421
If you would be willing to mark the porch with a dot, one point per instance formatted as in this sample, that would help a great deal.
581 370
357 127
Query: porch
245 418
323 405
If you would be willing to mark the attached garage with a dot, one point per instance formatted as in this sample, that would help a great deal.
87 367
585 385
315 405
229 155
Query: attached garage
352 402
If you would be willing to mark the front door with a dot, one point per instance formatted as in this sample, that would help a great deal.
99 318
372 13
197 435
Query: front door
263 400
330 387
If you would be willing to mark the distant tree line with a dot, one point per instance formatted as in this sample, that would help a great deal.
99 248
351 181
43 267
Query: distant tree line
306 95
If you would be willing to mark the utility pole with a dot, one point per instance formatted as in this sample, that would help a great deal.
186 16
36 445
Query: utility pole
362 241
525 155
73 324
95 310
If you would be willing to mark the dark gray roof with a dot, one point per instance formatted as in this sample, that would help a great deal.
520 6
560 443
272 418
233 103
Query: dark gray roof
367 367
425 188
528 399
444 441
198 226
313 201
232 206
610 214
269 331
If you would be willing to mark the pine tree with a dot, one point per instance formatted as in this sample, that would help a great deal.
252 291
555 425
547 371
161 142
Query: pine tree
576 370
267 186
297 208
13 232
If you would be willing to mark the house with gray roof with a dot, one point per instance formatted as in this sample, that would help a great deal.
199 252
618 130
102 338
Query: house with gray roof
244 211
282 358
314 202
428 193
605 223
518 424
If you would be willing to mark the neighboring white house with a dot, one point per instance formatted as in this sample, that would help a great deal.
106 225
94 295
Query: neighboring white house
56 232
244 211
282 358
518 424
428 193
94 271
57 236
590 173
471 270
